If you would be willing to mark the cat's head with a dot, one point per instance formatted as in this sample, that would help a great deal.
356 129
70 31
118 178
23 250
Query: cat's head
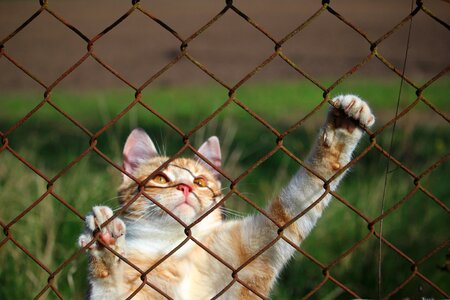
187 187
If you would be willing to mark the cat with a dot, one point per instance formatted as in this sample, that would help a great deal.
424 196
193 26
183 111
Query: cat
187 187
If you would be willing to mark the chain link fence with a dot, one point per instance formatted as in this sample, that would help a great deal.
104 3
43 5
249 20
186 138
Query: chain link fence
326 7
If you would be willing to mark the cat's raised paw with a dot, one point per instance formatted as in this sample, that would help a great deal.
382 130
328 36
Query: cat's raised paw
111 234
355 108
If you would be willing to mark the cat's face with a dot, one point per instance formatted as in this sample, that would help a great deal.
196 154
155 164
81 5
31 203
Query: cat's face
186 187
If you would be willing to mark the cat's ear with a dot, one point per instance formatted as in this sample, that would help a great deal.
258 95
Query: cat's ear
211 150
138 148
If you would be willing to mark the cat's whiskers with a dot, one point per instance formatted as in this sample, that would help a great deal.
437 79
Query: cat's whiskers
146 213
231 212
114 199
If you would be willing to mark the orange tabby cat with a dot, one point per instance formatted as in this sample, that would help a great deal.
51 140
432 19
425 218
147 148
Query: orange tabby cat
144 233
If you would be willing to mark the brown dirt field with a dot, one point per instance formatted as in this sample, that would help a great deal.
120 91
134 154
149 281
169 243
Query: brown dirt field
138 47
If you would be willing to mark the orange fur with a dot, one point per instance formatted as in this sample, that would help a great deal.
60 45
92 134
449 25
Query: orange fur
278 213
213 249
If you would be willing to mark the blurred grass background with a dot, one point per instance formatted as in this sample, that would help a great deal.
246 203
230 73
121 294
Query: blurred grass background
50 142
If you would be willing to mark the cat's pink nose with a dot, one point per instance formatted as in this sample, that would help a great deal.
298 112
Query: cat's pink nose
186 189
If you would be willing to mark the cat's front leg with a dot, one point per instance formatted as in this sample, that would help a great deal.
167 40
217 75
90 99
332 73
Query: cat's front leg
303 198
106 269
333 150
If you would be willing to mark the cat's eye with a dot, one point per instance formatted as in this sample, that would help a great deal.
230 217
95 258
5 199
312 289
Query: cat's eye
161 179
200 181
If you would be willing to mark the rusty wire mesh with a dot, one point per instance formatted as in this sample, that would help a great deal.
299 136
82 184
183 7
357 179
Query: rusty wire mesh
229 8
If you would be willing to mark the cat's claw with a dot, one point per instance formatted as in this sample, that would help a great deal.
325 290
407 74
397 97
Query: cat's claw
111 234
355 108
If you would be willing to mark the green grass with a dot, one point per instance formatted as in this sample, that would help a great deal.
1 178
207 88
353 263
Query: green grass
50 142
260 97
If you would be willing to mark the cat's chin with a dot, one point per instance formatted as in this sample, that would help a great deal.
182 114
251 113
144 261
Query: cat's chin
185 212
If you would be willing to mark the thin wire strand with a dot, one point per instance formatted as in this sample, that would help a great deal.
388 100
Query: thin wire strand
388 162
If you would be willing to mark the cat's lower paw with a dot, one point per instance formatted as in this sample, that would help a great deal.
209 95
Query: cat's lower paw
353 107
111 234
102 261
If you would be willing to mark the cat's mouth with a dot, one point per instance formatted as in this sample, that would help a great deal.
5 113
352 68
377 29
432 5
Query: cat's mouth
185 211
185 206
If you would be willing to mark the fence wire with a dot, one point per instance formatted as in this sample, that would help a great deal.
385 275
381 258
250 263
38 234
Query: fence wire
230 8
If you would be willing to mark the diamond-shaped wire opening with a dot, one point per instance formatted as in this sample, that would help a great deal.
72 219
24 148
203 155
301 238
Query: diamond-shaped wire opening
317 60
45 60
212 39
432 135
98 189
35 129
174 103
266 180
149 43
351 229
47 240
419 65
370 190
228 117
294 98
